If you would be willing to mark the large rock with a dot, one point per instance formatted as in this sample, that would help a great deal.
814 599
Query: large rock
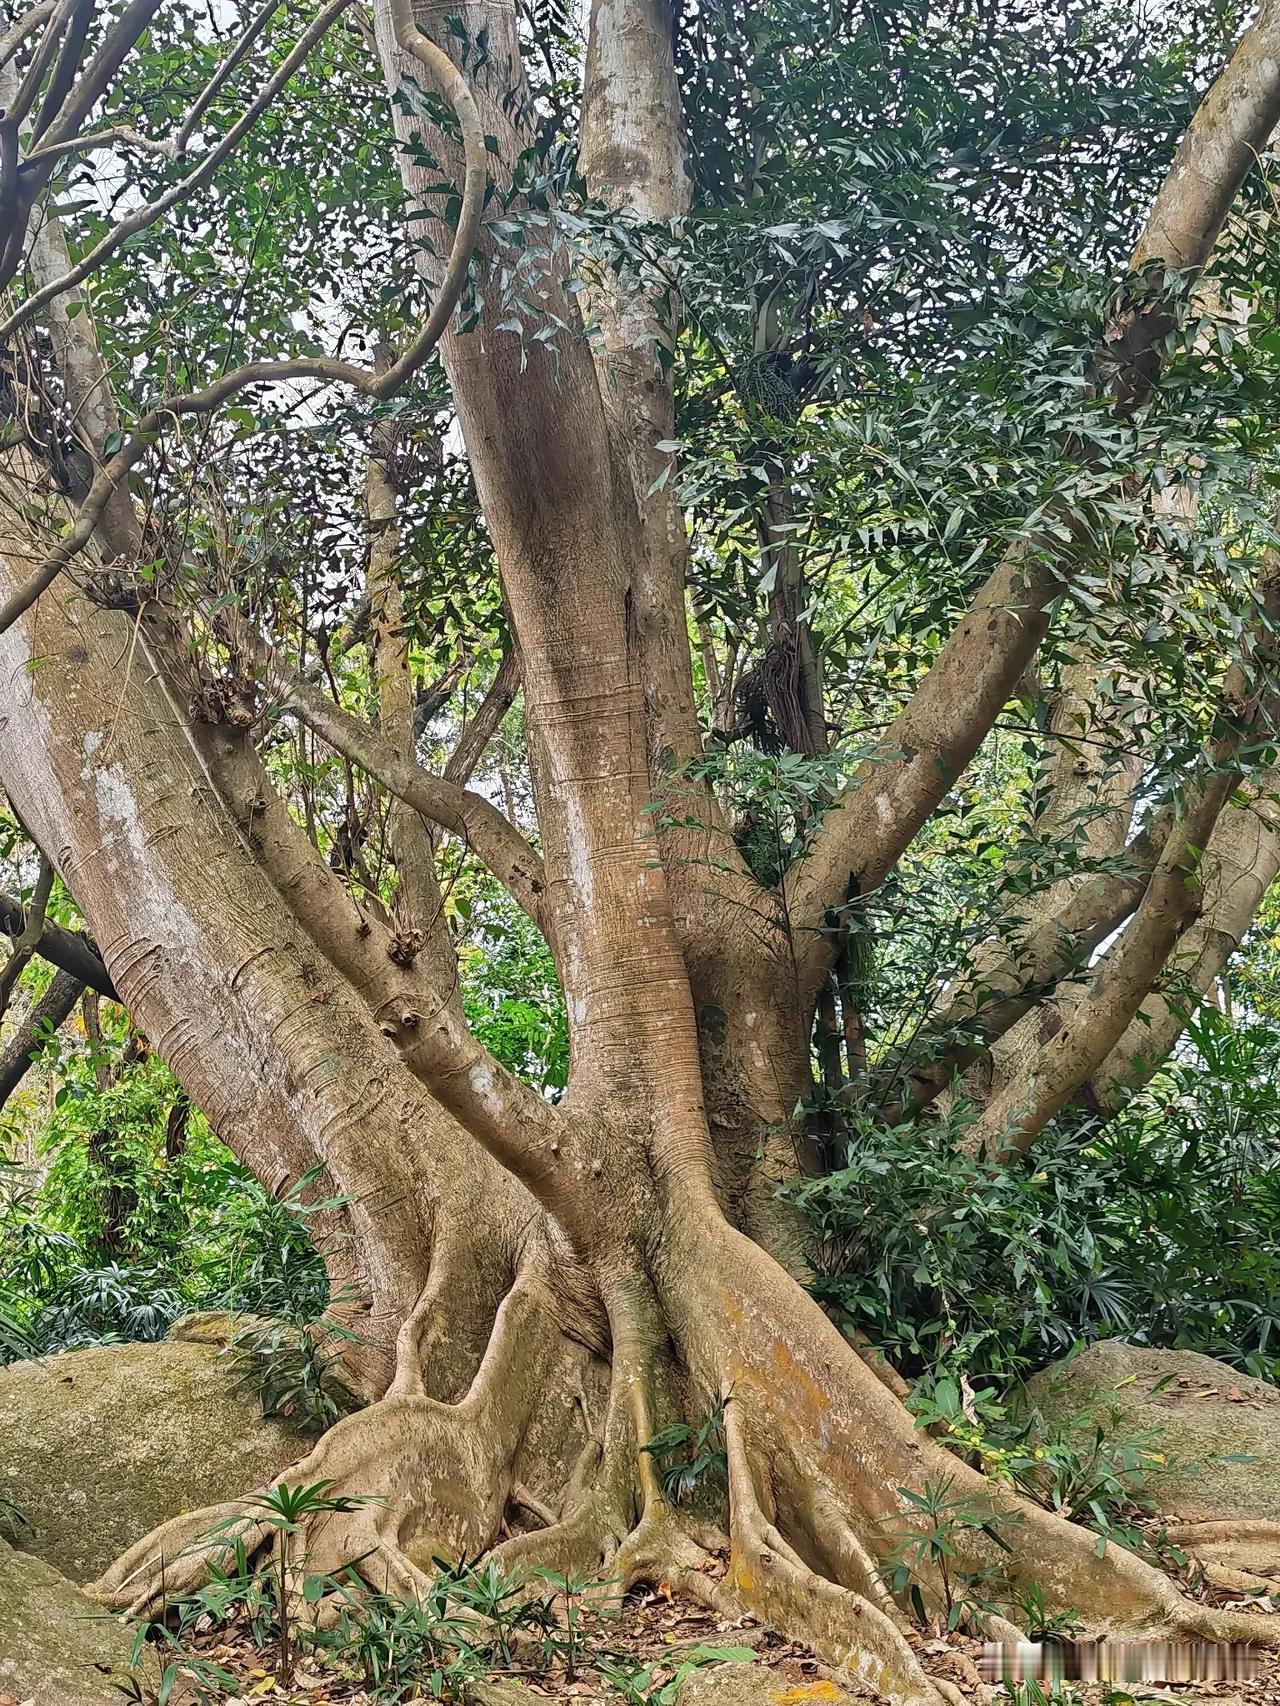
98 1446
1204 1409
757 1685
56 1646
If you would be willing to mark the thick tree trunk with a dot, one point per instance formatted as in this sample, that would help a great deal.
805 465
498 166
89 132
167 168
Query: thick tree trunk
262 1033
544 1287
508 1386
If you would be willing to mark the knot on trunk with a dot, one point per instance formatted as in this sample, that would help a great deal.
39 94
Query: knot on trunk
405 945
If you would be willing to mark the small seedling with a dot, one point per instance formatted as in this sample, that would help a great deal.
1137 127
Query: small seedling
926 1554
1040 1623
284 1510
570 1592
690 1457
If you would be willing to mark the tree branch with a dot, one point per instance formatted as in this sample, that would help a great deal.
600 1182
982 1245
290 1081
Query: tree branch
1091 778
27 25
418 902
200 105
933 740
74 107
1016 1115
69 950
1042 1080
481 729
1242 862
141 218
469 816
28 938
423 1022
988 1006
19 103
116 135
52 1010
372 383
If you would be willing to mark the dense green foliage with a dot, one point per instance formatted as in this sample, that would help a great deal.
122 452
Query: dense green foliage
1162 1227
113 1229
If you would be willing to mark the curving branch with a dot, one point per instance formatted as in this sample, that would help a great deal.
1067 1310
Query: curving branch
469 816
70 950
937 734
28 937
373 383
142 218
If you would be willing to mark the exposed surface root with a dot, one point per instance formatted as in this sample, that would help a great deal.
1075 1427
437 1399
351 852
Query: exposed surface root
1252 1547
426 1480
823 1459
818 1457
844 1628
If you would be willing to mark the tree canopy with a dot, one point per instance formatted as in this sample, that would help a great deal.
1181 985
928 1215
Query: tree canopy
636 664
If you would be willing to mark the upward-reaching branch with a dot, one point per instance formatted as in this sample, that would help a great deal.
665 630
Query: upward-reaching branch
469 816
52 1009
375 383
28 938
419 1016
1032 1095
1016 1116
925 750
1243 860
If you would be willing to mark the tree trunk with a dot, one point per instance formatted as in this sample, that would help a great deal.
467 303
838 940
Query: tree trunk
261 1032
44 1018
542 1288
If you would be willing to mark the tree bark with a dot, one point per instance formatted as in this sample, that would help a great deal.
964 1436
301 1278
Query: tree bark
44 1018
544 1287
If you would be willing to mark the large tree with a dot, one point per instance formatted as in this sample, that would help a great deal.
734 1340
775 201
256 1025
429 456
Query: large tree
540 1284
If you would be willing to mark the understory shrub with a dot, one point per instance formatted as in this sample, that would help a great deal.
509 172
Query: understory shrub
117 1225
1161 1226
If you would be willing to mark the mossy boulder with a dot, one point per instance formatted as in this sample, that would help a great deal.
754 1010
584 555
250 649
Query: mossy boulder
56 1646
98 1446
1207 1412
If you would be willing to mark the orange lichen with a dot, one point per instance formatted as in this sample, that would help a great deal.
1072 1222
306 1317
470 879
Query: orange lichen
806 1691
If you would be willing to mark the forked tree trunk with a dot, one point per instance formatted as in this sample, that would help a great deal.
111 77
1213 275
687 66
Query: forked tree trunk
541 1288
536 1347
